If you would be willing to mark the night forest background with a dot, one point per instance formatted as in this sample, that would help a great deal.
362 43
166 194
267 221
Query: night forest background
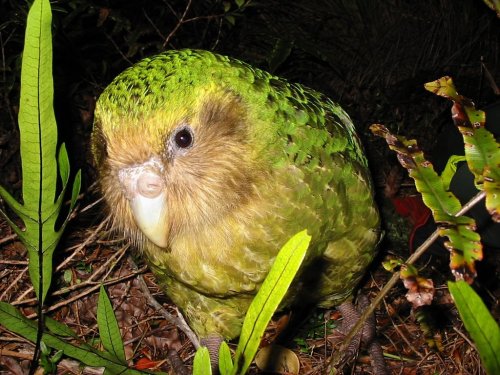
372 57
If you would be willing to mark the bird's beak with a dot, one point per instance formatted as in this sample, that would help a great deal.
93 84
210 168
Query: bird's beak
145 189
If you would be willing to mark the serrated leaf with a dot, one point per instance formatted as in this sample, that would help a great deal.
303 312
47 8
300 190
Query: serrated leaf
464 243
109 331
478 321
267 300
442 203
481 148
465 247
443 87
492 189
479 143
420 289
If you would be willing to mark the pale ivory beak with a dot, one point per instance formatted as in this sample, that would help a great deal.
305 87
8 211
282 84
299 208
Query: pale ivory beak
145 190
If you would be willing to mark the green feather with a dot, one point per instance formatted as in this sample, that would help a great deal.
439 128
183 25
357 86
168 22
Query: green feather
285 157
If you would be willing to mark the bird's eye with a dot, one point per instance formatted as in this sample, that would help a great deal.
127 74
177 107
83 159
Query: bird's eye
184 138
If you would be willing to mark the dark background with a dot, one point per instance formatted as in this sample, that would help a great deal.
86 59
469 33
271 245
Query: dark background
372 57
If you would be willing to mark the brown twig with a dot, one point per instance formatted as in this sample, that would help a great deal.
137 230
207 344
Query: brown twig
14 282
158 31
118 49
8 238
181 21
401 334
178 321
119 254
90 290
16 354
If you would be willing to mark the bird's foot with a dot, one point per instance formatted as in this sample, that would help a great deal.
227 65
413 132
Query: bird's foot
212 343
366 337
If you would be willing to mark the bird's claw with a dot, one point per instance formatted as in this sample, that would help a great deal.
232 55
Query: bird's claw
367 337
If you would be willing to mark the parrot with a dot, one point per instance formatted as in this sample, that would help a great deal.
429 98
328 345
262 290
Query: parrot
208 166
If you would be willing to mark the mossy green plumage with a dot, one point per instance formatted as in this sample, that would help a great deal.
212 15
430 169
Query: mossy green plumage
266 159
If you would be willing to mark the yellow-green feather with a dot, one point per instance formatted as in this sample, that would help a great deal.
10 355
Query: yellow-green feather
309 171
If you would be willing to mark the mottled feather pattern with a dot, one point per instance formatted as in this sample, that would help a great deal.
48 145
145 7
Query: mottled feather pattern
268 159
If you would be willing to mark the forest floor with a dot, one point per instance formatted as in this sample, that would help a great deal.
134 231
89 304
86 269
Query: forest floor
430 341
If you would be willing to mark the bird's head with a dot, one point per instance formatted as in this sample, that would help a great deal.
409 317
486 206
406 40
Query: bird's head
174 155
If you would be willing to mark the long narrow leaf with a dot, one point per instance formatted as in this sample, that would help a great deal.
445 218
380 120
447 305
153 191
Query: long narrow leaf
13 320
108 327
225 360
479 323
38 135
268 298
37 122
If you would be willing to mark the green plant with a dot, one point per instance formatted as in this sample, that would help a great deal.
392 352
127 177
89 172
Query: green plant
260 312
483 159
58 337
479 323
42 164
41 208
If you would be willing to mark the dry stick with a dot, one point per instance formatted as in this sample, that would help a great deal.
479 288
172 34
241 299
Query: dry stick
118 49
14 262
16 354
462 335
90 205
8 238
20 300
401 334
490 79
178 321
14 283
119 254
181 21
79 247
90 290
73 366
173 357
158 31
392 281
